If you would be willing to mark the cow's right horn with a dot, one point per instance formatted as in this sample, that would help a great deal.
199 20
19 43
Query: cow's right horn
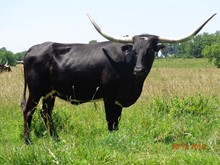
109 37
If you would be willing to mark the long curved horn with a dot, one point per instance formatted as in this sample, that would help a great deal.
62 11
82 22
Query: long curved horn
178 40
108 36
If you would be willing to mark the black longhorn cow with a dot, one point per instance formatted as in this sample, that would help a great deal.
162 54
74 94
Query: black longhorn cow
5 67
78 73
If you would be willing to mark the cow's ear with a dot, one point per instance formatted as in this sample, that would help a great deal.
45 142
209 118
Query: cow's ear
126 48
160 46
129 57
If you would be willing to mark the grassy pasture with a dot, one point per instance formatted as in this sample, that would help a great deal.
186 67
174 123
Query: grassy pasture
175 121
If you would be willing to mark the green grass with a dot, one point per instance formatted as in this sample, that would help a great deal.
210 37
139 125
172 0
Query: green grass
179 106
183 63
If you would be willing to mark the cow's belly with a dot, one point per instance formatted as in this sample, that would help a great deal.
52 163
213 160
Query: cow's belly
123 95
78 95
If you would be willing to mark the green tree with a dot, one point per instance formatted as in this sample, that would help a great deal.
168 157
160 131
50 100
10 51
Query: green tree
20 56
7 57
213 53
193 47
93 42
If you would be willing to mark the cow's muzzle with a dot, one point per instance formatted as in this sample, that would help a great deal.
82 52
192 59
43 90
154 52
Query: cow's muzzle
139 71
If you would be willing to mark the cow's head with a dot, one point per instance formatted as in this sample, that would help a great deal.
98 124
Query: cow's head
5 67
144 53
141 53
145 46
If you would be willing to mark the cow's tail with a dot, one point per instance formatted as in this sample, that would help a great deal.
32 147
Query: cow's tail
23 100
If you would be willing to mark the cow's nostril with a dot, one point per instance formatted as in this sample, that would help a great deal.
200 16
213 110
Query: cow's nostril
138 69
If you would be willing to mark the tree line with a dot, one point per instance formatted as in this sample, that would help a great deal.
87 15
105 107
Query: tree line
202 45
9 57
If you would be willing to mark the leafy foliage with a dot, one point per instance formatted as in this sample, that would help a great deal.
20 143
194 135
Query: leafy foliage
212 51
194 47
93 42
7 57
177 107
20 56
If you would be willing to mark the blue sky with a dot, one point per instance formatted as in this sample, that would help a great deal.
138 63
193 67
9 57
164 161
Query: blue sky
28 22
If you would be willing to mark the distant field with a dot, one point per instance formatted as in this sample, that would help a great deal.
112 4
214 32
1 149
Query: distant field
183 63
175 121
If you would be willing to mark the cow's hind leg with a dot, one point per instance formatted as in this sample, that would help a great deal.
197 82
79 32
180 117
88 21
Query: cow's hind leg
28 114
46 114
113 114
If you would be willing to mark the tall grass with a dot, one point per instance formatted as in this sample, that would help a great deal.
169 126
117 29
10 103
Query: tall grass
178 108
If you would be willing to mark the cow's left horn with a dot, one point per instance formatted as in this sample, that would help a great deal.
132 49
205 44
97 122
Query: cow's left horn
108 36
178 40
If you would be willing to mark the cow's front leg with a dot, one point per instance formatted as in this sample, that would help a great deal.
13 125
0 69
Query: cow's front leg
113 114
